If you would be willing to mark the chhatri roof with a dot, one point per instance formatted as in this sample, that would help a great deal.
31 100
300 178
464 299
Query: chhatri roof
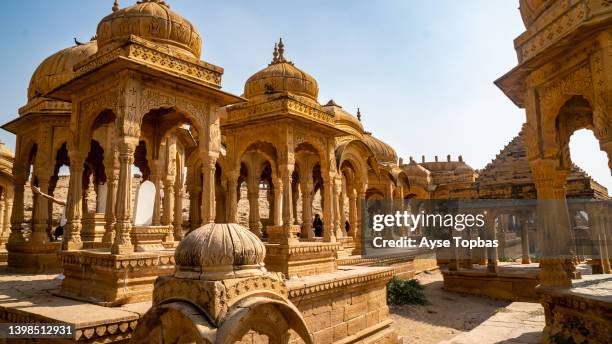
281 75
58 68
344 119
510 170
152 20
383 152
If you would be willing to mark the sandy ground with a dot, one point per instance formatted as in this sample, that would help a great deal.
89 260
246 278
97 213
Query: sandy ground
447 315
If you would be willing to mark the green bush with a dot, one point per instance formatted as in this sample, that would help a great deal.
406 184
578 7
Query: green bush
405 292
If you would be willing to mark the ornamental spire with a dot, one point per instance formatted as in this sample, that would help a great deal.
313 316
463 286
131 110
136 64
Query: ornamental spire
116 6
278 56
358 115
281 50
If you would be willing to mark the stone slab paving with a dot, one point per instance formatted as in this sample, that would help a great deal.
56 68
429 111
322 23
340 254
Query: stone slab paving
518 323
33 295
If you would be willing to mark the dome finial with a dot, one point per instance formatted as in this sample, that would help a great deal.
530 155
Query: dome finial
116 6
358 115
281 50
275 54
278 56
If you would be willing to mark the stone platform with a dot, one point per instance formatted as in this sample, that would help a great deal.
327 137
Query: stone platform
35 258
31 298
405 265
579 314
513 282
299 259
345 306
97 276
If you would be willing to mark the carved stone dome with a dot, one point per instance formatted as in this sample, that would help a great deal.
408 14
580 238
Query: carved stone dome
382 151
344 120
154 21
531 9
220 251
281 76
58 68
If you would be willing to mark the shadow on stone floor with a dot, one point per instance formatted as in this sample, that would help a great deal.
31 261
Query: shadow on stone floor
451 310
526 338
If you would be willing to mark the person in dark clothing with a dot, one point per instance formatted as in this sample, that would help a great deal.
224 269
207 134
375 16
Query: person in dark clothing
58 232
347 226
317 224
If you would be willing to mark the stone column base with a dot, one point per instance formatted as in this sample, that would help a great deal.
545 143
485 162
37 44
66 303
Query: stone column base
33 258
109 280
150 238
93 227
279 235
302 258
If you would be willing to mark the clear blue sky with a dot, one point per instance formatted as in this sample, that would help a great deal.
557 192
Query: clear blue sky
422 72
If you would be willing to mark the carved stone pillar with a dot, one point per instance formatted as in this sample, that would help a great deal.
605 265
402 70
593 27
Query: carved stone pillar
307 188
492 254
156 172
341 206
278 201
194 206
352 198
3 232
253 197
329 234
74 206
232 197
554 229
208 189
295 194
124 203
112 176
361 196
177 222
525 238
287 209
337 195
168 206
17 212
41 218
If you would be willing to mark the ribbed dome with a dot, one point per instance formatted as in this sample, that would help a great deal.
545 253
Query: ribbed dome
57 69
531 9
382 151
152 20
344 120
220 251
415 170
281 76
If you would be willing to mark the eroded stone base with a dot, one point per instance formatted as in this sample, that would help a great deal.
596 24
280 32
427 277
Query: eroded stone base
513 284
579 314
347 306
302 258
34 258
102 278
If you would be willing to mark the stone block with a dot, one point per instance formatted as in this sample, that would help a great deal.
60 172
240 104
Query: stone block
354 310
325 336
357 324
340 331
